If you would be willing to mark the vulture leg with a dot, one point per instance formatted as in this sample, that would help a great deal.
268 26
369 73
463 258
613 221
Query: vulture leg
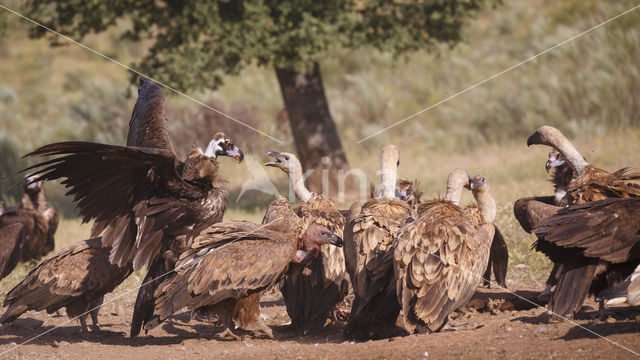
227 323
94 306
83 324
545 295
486 277
602 312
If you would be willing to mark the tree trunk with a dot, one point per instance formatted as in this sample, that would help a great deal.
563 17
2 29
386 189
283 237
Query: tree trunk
314 133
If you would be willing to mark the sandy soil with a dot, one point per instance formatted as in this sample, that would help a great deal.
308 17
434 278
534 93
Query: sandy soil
524 332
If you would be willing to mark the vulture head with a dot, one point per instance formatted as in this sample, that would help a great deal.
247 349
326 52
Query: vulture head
312 239
478 183
550 136
407 190
221 145
31 185
556 159
284 161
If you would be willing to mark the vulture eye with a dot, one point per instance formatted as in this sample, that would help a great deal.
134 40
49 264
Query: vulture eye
286 158
323 233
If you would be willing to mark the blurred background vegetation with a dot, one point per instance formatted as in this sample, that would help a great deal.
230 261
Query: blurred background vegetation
588 88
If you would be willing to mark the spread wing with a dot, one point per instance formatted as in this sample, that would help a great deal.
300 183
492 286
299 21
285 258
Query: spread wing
606 230
108 180
440 258
11 238
81 271
148 128
230 262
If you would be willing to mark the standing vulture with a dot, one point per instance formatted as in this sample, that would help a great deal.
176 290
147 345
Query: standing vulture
40 221
368 249
231 261
312 292
148 204
441 253
76 278
588 184
11 240
598 244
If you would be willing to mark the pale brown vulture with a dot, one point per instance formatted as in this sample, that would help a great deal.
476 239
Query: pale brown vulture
598 244
368 249
40 221
441 253
11 240
231 261
148 204
76 278
311 292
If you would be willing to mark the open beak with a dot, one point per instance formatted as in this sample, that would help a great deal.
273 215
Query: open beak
235 153
276 156
336 240
552 163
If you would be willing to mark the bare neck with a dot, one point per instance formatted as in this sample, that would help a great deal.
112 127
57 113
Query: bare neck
571 155
455 183
486 204
296 182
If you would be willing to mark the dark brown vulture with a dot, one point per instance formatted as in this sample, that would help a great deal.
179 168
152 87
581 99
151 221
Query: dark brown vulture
11 240
368 250
312 292
147 204
598 244
76 278
588 184
232 261
441 254
40 221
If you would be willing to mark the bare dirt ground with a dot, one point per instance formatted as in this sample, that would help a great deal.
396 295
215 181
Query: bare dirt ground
525 332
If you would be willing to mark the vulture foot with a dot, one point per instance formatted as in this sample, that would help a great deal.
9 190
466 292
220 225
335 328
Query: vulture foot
602 312
545 296
227 335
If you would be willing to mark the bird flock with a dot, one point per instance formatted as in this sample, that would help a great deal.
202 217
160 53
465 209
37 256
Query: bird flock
406 261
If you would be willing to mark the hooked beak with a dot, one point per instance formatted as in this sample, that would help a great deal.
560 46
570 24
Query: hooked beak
552 162
534 139
402 194
235 153
468 184
275 155
336 240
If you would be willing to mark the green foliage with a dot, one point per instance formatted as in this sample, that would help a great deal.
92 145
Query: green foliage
195 42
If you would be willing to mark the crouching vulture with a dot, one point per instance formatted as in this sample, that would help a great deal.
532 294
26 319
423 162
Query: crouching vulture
40 221
368 249
311 292
76 278
441 253
147 204
232 261
598 244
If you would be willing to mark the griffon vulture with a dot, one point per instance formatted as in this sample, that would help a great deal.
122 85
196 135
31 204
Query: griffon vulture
312 291
441 254
76 278
231 261
368 234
